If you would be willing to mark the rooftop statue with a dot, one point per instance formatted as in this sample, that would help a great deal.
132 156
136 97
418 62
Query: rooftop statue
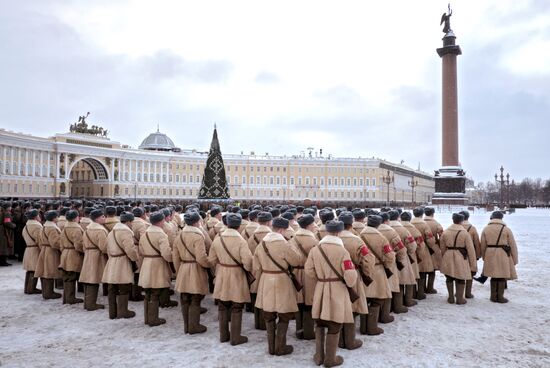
446 18
82 127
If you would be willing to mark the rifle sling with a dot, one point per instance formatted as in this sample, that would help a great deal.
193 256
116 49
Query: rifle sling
340 277
29 234
231 255
285 270
300 246
152 246
372 251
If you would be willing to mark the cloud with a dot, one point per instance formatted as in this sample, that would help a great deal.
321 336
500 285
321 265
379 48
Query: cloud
348 88
267 77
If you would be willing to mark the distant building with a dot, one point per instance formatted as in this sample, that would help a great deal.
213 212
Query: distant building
80 164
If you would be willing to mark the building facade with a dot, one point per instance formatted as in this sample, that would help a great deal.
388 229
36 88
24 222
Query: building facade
87 165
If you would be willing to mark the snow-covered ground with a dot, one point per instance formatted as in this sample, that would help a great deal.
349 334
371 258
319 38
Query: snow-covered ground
38 333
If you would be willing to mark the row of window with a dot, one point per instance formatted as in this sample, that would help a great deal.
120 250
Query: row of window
273 168
277 180
13 169
6 188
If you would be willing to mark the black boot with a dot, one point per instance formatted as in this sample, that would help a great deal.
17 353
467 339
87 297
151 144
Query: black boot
431 279
4 261
111 297
236 324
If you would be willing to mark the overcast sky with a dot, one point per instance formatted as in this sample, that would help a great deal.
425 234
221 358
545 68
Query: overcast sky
354 78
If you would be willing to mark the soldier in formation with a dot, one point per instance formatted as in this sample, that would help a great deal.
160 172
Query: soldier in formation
366 263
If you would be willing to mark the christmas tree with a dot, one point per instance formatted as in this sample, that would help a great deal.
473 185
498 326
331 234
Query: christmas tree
214 183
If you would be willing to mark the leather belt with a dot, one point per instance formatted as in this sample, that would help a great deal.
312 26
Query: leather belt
298 267
32 246
151 256
117 255
229 265
272 272
334 279
186 261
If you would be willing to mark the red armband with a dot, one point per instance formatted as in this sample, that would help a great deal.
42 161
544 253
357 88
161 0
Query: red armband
348 265
410 239
400 245
387 249
419 239
430 235
364 250
7 220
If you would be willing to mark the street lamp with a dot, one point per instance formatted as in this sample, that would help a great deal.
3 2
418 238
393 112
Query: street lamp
388 179
502 183
413 184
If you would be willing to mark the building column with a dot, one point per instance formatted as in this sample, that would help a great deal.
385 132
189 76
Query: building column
48 171
148 170
41 163
33 163
26 169
4 158
113 169
57 165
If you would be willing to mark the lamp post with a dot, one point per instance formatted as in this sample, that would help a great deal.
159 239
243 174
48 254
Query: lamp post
388 179
500 179
413 184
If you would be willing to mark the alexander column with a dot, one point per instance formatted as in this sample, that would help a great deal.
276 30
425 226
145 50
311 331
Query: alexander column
450 179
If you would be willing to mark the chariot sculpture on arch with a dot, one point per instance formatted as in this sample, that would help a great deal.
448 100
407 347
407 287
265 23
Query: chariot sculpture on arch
82 127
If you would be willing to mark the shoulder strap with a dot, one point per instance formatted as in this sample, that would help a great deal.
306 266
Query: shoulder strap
64 233
300 246
271 258
45 236
117 243
500 234
372 250
256 238
456 237
151 244
90 240
185 245
469 227
29 234
340 277
229 253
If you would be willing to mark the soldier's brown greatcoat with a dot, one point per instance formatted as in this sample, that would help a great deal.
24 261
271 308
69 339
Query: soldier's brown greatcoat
276 293
331 299
31 234
231 284
49 258
453 263
362 260
496 263
72 247
122 251
380 248
191 264
155 249
304 241
95 247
